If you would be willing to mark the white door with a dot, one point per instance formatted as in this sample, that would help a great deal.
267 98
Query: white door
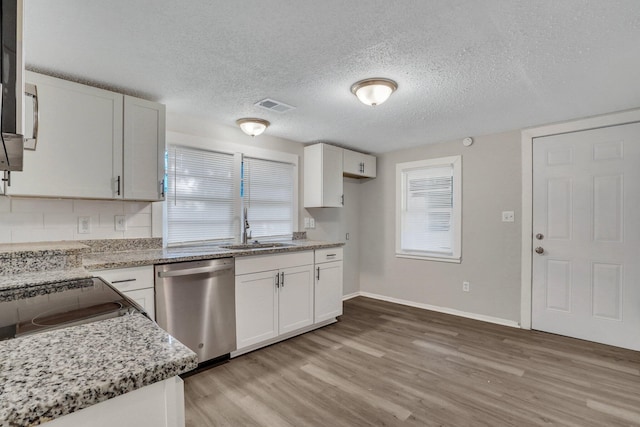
295 298
328 291
144 147
256 308
79 149
586 210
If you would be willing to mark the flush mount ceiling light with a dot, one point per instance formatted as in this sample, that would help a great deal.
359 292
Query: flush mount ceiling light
252 127
374 91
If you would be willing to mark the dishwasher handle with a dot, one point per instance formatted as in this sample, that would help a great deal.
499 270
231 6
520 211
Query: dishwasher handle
197 270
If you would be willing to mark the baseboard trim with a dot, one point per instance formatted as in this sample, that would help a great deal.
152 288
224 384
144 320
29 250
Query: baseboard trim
446 310
349 296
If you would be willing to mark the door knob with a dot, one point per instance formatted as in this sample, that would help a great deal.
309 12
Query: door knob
539 250
539 236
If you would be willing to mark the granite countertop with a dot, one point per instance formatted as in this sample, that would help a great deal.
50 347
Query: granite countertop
24 281
102 261
47 375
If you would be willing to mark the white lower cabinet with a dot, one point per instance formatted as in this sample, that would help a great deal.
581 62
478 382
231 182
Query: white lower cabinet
274 302
280 296
135 283
256 308
160 404
328 284
295 298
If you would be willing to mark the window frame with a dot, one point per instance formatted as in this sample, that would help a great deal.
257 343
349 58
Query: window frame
401 168
238 150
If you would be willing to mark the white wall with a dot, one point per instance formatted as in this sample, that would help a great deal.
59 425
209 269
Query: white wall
39 219
333 224
491 183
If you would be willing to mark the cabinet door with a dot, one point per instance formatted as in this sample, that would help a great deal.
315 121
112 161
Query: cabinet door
328 291
359 165
145 298
256 308
322 176
79 149
144 147
295 298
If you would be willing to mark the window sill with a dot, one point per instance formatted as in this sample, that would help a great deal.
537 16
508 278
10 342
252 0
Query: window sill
429 258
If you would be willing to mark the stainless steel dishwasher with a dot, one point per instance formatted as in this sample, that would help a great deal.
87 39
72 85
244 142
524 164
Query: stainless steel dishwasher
195 303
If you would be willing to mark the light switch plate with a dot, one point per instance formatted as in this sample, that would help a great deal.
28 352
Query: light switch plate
312 223
508 216
121 222
306 222
84 224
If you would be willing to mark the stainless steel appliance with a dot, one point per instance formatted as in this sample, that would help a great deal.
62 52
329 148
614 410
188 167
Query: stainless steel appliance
64 304
11 86
195 302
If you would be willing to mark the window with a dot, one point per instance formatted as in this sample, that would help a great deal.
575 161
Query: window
428 209
207 190
200 196
268 197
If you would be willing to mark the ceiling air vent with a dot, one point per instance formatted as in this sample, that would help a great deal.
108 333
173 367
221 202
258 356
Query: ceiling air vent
272 105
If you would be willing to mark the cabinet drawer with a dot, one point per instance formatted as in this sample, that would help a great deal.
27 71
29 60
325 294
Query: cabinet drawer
128 279
327 255
255 264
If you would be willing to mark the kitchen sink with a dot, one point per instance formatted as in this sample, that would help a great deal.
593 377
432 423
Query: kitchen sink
257 246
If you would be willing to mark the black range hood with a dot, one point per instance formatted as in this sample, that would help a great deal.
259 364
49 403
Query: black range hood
11 85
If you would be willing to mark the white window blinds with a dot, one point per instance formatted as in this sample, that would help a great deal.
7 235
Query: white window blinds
429 209
268 196
200 196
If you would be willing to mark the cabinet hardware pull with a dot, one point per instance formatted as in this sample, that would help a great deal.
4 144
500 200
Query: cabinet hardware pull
277 280
162 188
362 167
342 199
282 280
7 178
118 184
123 281
32 91
318 276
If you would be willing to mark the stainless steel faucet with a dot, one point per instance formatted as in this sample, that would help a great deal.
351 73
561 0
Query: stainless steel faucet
246 235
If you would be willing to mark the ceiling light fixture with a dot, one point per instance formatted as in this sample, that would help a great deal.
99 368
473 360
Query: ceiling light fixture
374 91
252 127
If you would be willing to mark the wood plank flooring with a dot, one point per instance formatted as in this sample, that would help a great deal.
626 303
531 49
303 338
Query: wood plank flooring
385 364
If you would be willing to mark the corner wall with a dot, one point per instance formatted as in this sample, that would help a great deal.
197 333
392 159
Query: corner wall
491 183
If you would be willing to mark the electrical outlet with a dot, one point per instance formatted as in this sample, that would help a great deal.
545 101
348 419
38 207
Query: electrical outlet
306 222
312 223
84 225
121 223
466 286
347 236
508 216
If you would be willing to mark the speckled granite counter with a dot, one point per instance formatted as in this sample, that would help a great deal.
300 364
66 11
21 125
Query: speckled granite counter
38 278
102 261
51 374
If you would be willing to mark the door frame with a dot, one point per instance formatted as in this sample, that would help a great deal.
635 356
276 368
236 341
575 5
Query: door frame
527 137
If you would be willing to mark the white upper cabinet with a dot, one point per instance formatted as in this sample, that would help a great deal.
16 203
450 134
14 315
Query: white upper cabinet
92 143
144 147
323 176
358 165
79 146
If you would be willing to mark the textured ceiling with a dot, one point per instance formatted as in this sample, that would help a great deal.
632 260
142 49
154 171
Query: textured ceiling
462 67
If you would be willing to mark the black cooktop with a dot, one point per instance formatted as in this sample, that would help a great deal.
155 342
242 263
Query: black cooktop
62 304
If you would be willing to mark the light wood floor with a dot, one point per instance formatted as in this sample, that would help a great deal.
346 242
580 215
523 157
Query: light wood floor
389 365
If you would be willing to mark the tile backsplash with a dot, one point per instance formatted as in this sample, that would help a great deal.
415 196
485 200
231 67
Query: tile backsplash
40 219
